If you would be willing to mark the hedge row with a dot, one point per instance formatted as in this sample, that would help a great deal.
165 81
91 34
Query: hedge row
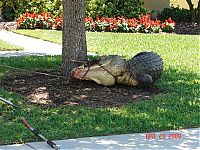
106 8
176 13
109 8
143 25
114 8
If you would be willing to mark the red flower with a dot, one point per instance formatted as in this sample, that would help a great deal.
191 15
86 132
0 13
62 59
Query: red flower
93 25
21 19
45 18
114 21
129 21
164 25
108 20
130 24
116 24
97 18
26 14
157 22
122 19
58 19
42 14
111 27
102 19
135 25
145 25
142 20
91 20
35 15
86 19
170 20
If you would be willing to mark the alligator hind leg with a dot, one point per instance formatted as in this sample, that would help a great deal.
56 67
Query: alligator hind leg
145 79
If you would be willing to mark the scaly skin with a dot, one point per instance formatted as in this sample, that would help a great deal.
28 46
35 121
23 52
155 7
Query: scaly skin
127 79
143 68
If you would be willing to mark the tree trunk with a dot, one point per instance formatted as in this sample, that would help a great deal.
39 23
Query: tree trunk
191 6
74 37
198 12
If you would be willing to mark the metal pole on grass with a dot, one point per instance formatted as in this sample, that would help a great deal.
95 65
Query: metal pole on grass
8 102
36 133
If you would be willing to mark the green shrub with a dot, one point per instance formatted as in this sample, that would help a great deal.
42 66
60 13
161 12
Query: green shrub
107 8
114 8
8 13
52 6
176 13
126 8
11 9
8 9
94 8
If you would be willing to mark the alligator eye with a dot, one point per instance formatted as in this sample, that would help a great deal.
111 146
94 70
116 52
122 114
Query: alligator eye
81 67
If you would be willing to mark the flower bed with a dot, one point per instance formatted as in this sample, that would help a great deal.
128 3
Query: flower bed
142 25
120 24
39 21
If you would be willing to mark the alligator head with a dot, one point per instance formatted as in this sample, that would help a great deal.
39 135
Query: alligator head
104 72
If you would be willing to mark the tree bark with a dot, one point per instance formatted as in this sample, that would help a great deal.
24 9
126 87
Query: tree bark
74 37
198 12
191 6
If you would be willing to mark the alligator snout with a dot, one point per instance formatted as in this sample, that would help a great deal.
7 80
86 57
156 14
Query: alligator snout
95 73
73 73
78 73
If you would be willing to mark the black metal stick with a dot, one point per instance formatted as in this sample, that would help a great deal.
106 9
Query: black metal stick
8 102
36 133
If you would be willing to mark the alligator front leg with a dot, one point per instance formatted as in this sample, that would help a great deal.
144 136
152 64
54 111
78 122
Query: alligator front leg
128 79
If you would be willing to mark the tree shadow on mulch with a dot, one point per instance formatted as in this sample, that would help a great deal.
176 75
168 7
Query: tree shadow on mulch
54 91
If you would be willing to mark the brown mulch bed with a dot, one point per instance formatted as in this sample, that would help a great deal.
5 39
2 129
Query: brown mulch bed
52 91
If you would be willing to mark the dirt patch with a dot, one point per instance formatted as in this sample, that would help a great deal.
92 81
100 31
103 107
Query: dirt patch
52 91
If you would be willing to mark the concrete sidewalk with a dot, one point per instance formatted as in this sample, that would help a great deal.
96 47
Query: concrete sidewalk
31 45
185 139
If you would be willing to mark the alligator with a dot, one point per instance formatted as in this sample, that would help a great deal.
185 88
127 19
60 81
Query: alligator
143 69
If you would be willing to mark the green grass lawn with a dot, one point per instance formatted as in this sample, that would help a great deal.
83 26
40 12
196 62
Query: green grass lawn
4 46
47 35
177 108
